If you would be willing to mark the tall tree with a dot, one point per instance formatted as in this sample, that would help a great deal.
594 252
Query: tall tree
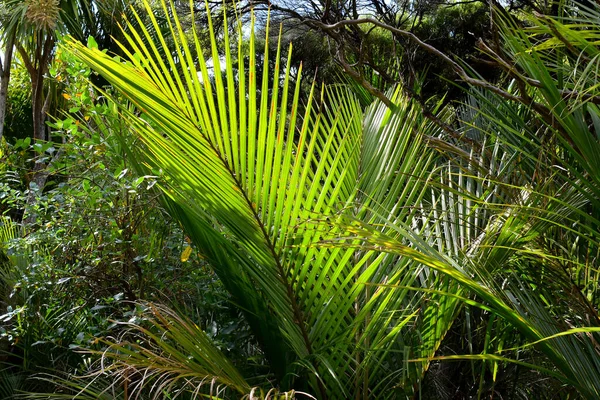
32 28
32 25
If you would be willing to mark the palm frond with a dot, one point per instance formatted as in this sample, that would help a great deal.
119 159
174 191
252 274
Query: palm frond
244 173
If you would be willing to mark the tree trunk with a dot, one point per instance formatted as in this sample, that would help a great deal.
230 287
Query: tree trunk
5 79
39 101
37 67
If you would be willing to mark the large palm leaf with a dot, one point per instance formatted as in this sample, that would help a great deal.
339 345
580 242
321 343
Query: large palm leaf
534 232
251 179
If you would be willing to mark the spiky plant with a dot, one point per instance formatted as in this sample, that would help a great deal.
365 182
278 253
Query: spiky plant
352 245
251 174
522 208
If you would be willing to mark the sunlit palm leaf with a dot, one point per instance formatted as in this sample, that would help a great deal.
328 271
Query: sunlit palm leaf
245 175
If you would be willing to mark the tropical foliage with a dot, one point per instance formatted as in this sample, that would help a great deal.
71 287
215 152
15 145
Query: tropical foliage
353 239
370 246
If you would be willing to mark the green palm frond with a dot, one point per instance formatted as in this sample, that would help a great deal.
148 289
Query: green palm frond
152 356
10 262
534 186
8 231
245 174
350 244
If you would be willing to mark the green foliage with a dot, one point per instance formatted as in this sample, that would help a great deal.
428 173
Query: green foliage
12 174
246 196
534 161
366 245
455 30
331 248
19 122
99 240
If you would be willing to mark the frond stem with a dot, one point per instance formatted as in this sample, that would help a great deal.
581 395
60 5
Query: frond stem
296 311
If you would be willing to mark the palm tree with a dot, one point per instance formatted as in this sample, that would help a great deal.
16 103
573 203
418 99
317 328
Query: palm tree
533 169
351 243
250 179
